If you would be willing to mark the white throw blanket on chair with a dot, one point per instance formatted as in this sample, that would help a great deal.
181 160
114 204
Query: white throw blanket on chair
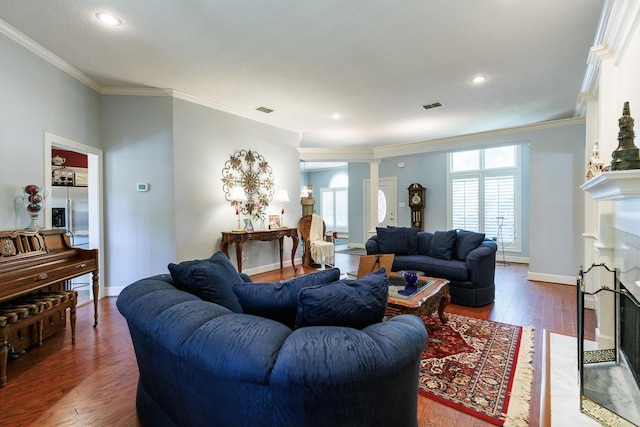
321 252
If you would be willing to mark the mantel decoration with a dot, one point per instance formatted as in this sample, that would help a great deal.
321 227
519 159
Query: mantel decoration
627 155
250 171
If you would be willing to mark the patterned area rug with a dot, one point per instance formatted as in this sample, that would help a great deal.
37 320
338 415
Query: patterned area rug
480 367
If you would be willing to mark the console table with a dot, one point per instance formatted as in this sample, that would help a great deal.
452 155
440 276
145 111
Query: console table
239 237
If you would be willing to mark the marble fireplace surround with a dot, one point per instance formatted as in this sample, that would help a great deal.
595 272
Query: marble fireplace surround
616 243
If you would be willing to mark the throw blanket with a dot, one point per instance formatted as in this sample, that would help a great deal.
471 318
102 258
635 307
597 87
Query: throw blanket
320 250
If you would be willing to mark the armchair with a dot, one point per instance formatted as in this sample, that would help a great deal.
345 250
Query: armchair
318 245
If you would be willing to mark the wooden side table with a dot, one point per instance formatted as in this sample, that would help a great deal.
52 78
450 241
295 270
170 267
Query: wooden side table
425 302
239 237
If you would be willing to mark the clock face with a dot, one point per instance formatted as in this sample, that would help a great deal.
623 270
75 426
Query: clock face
416 199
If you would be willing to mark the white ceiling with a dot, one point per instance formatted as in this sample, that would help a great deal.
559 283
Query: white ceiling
376 62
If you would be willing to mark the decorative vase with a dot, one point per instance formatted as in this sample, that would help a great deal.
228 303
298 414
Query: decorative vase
411 278
33 202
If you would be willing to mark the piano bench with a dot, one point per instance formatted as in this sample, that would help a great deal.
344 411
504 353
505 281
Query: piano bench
33 309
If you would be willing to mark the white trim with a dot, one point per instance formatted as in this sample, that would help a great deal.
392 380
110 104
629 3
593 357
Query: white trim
45 54
96 196
551 278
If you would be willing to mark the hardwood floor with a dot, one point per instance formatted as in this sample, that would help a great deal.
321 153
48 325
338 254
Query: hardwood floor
93 383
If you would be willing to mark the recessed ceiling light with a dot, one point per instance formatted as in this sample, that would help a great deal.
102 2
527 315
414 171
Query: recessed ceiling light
108 19
479 79
337 116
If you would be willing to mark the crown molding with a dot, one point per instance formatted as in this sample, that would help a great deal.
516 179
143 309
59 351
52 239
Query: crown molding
367 154
439 144
321 154
45 54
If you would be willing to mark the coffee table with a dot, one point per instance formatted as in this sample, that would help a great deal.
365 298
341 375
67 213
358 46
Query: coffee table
433 294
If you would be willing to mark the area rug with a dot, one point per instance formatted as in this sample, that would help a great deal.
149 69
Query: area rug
480 367
351 251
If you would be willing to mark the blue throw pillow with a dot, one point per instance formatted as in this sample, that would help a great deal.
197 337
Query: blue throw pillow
392 240
442 244
466 241
411 239
279 300
350 303
211 279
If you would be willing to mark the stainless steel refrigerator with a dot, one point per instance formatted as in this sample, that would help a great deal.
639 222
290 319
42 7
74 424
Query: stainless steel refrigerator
70 210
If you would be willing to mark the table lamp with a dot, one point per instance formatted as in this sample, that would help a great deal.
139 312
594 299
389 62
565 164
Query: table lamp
237 195
282 196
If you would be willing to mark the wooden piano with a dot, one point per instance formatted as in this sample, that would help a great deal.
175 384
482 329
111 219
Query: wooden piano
33 260
35 267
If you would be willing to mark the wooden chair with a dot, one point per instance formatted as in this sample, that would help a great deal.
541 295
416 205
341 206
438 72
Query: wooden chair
304 227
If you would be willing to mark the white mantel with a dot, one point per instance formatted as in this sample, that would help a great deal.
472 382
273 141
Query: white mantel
614 185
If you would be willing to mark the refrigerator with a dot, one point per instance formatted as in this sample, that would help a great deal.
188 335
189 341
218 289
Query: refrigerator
70 210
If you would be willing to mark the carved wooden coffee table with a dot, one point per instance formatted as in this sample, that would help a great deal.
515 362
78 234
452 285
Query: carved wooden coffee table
433 295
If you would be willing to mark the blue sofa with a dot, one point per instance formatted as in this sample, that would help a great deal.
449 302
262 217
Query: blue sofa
465 258
203 364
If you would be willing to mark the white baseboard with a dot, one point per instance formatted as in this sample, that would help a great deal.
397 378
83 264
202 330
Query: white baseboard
551 278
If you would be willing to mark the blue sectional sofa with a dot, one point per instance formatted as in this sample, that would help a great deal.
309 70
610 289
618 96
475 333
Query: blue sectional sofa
465 258
204 364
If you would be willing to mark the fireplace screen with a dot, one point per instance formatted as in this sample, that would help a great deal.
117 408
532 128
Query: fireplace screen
609 387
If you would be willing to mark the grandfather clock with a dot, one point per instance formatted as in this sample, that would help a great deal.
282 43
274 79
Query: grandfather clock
416 203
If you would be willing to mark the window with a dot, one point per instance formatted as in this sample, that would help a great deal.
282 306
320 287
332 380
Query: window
483 193
335 203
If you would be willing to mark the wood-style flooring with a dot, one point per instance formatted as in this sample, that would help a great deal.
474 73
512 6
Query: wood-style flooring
93 383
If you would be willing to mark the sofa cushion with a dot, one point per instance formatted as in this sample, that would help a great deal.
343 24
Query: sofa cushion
210 279
433 267
279 300
442 244
350 303
392 240
411 236
466 241
397 240
424 241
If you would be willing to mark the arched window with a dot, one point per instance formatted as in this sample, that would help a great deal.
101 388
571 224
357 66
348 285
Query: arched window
335 203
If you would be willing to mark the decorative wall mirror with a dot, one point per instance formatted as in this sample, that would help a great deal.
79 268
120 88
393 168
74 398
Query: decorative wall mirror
250 171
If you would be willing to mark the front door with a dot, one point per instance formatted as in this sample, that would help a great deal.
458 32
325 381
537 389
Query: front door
387 204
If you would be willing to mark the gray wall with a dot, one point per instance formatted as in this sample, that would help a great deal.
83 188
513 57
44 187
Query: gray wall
138 148
204 139
36 98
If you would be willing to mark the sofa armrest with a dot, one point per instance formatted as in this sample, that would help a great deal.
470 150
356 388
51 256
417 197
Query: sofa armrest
246 278
371 245
481 263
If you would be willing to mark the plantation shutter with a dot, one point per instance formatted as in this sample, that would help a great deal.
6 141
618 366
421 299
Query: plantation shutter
500 207
465 203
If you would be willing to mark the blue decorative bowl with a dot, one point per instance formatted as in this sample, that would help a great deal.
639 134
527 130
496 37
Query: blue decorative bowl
411 277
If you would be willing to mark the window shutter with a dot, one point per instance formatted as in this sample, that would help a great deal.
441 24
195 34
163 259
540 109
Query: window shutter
500 208
465 203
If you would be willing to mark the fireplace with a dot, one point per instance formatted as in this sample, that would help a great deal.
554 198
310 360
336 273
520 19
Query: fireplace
609 370
629 327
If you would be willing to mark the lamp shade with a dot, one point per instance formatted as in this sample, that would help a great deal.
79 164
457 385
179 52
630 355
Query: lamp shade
237 194
281 196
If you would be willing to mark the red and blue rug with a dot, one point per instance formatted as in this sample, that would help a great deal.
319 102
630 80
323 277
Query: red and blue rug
480 367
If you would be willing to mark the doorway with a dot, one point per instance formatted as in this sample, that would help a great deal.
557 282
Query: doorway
387 203
91 237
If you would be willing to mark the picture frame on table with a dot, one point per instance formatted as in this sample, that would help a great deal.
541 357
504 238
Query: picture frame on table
248 226
274 222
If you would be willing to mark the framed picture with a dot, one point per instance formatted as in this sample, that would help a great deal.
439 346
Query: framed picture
274 221
248 225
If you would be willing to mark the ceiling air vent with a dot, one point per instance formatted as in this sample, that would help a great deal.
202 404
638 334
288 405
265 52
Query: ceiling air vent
264 110
434 105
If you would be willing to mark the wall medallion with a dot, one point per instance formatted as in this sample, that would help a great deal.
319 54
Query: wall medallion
249 170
